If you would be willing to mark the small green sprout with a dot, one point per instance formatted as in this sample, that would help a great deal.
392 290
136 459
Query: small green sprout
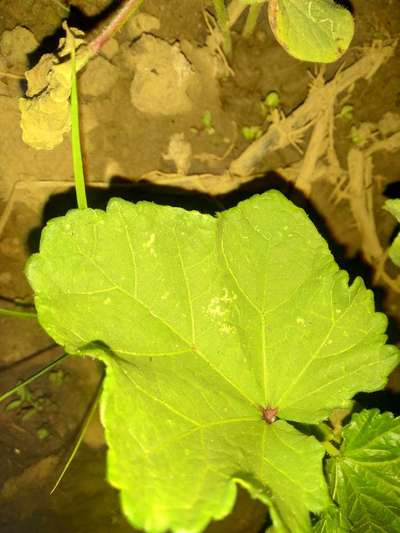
42 433
207 122
272 100
250 133
356 137
346 113
362 134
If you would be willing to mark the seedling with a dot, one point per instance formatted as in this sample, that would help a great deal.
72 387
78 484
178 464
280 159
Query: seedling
228 342
207 122
272 100
347 112
250 133
42 433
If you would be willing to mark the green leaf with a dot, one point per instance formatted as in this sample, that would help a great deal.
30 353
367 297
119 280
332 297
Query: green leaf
365 479
200 322
311 30
393 206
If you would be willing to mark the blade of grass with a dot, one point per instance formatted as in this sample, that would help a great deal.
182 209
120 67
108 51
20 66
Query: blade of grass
75 137
81 434
251 21
31 378
223 23
17 314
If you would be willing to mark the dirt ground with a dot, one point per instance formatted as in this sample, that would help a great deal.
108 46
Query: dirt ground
180 143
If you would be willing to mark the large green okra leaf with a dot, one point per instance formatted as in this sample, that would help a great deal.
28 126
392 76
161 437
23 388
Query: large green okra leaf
311 30
202 322
365 477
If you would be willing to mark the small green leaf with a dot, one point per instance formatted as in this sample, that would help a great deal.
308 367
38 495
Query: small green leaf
251 132
346 113
42 433
272 100
364 479
206 119
202 321
311 30
393 206
15 404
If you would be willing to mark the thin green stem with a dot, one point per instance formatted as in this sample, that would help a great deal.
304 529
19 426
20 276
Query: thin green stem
81 434
223 23
75 138
251 20
34 376
330 448
17 314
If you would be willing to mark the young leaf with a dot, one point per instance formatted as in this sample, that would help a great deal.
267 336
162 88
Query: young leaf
364 478
202 321
311 30
393 206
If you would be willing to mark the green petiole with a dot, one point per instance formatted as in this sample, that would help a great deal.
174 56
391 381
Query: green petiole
17 314
75 137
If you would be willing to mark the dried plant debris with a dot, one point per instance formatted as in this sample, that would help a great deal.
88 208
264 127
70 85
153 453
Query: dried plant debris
45 115
321 98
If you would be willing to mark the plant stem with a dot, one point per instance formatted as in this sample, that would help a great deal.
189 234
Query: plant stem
330 448
118 19
75 138
251 20
17 314
223 23
34 376
81 434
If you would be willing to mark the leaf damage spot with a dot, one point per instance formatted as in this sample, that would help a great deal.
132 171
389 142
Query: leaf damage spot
149 244
269 414
219 305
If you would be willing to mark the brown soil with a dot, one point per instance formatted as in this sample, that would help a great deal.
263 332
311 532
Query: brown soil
152 141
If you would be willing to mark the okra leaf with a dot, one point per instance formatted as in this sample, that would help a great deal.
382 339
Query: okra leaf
210 328
393 206
364 479
311 30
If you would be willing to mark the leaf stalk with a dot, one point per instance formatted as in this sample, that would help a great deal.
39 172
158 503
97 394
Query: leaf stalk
17 314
